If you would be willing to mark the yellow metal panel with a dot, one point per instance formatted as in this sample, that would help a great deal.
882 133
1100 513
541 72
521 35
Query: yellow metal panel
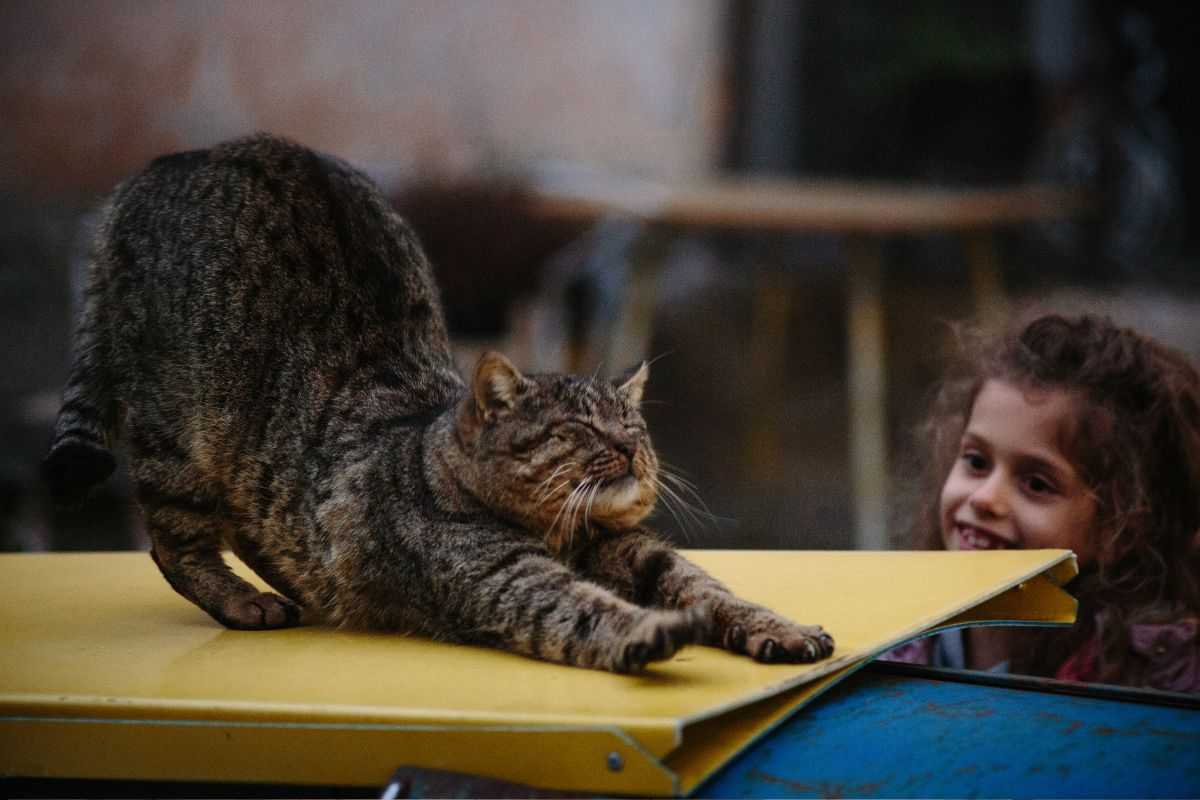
335 754
97 645
1038 600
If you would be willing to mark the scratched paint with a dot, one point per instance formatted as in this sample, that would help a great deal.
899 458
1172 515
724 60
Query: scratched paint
900 736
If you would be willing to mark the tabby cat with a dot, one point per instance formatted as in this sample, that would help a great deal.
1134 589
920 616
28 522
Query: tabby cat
262 331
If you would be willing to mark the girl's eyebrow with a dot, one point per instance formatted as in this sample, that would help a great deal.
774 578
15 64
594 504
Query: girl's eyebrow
1058 468
969 437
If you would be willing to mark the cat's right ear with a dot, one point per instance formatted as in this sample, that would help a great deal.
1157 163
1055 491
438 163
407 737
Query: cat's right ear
496 385
632 383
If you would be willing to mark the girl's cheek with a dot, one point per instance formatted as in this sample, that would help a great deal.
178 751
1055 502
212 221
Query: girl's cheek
1086 544
1085 524
947 530
948 540
946 514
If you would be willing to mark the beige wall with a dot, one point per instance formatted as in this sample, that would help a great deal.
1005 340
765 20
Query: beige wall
90 90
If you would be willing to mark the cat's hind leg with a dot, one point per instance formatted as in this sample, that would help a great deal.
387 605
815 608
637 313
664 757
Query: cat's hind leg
187 529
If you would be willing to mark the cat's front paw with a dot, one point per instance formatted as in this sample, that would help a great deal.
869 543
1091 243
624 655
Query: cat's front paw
658 636
765 636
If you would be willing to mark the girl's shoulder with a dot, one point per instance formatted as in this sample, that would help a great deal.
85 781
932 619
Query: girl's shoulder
1170 652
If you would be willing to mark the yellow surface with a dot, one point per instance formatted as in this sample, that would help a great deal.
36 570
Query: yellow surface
106 672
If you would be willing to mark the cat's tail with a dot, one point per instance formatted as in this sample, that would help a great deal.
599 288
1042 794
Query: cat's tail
79 456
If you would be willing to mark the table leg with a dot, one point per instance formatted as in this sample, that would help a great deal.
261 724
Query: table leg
987 281
867 388
770 315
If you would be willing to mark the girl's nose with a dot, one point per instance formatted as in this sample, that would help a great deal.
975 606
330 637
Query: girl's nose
990 497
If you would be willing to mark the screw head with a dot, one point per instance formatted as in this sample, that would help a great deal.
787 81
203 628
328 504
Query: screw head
615 762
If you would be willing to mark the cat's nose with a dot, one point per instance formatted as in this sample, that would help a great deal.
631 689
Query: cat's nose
626 447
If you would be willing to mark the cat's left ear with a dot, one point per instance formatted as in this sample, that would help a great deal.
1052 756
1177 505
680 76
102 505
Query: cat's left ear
631 384
497 384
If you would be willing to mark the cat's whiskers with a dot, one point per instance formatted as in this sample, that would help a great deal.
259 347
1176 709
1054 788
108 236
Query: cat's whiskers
681 493
672 502
550 494
562 508
674 490
587 514
577 500
676 475
698 512
539 496
566 512
580 512
671 473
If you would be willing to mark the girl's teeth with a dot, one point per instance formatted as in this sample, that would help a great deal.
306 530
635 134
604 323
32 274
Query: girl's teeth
974 540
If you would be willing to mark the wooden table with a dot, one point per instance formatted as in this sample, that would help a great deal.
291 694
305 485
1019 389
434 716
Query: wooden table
865 214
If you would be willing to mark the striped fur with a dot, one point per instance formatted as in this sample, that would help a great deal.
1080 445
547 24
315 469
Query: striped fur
262 334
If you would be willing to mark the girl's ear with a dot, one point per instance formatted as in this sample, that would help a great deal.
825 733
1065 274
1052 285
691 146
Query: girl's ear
497 384
631 384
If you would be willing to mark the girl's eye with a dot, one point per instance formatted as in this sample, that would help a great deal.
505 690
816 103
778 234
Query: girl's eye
1038 485
974 461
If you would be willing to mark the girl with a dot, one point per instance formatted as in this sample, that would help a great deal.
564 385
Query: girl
1074 433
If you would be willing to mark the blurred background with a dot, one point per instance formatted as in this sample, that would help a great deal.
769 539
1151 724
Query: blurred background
467 111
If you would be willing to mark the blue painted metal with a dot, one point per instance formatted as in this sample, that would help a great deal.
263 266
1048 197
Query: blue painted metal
888 733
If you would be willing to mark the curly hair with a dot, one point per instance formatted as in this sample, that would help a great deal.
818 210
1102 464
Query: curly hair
1136 443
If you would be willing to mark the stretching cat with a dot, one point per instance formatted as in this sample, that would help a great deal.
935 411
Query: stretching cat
263 332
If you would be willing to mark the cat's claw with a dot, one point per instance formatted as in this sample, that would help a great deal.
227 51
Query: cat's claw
735 639
803 644
769 638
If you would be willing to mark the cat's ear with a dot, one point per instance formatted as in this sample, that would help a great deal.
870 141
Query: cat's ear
631 384
497 384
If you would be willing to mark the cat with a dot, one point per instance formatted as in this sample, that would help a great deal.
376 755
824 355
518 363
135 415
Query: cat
262 332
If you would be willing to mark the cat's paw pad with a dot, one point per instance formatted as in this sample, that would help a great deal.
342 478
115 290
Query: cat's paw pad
791 644
659 636
261 611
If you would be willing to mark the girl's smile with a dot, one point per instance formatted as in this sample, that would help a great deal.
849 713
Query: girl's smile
1012 486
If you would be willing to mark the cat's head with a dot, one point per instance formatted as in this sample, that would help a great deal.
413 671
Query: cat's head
559 454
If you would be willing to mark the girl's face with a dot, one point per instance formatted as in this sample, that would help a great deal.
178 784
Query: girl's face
1011 485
